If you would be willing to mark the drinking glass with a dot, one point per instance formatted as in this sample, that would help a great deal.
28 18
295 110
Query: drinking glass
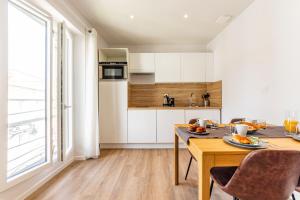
291 122
261 124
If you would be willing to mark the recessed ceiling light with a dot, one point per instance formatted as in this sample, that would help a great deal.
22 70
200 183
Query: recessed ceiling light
185 16
131 16
223 19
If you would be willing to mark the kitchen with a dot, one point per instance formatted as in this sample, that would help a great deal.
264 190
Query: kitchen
142 114
144 100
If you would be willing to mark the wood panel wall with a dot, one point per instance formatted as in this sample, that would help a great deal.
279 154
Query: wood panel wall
151 95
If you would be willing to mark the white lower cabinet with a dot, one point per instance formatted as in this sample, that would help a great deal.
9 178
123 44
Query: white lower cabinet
141 126
165 124
157 126
212 114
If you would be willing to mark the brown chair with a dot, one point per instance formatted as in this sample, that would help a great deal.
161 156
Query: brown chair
297 189
192 121
263 174
237 120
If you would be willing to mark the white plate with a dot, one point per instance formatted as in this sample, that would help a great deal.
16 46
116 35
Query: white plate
296 137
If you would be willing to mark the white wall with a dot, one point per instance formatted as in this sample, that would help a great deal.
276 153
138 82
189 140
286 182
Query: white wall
257 57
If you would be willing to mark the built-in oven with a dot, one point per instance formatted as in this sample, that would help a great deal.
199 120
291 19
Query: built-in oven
113 70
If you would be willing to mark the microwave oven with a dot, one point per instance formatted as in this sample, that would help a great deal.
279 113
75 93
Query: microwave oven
113 70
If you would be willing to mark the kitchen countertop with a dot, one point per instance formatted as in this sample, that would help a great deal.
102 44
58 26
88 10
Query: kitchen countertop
175 108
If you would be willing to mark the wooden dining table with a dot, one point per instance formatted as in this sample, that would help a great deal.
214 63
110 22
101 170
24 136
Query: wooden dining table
215 152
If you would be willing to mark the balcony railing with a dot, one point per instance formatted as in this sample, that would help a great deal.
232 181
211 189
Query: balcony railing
26 131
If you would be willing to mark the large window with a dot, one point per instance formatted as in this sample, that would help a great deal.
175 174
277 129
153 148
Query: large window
28 90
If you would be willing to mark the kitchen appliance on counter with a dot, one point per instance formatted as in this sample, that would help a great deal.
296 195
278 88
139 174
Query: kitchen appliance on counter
113 70
169 101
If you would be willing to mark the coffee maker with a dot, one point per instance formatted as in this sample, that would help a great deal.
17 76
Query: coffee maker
168 101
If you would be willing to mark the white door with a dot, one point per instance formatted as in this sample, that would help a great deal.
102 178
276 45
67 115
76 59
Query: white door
166 119
67 88
193 67
141 126
167 67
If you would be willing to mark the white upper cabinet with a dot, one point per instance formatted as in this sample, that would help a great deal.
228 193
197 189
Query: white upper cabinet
193 66
141 63
167 67
183 67
141 126
166 119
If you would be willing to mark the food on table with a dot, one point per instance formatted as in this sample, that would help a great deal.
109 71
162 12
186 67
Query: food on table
245 140
251 126
241 139
210 122
196 128
261 124
222 125
192 127
200 129
290 125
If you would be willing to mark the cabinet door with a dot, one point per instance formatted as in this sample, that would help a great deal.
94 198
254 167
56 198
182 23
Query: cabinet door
167 67
209 65
166 119
211 114
141 63
141 126
193 67
113 111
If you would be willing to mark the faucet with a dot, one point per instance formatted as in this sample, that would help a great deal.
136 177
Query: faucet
191 102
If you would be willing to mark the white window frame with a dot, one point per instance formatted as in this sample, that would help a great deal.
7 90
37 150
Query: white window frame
68 151
4 182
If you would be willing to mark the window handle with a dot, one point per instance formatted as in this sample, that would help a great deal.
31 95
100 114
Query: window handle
67 107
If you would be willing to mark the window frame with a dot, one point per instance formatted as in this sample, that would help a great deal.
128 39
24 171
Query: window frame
68 35
6 183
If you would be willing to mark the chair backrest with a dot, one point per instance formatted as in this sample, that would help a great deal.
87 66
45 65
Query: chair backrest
266 174
237 120
192 121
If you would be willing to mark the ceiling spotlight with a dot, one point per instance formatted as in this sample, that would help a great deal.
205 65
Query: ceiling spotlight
185 16
131 16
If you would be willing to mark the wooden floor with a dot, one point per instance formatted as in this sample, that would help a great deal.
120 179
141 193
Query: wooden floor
125 175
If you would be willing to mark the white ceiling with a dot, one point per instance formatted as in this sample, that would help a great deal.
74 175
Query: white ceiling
158 21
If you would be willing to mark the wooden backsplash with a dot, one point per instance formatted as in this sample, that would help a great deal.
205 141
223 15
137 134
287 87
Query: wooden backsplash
145 95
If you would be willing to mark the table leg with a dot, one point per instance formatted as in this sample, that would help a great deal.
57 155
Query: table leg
176 164
204 166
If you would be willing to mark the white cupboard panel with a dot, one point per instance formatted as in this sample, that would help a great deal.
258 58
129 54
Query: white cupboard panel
113 111
211 114
141 63
166 119
193 66
141 126
167 67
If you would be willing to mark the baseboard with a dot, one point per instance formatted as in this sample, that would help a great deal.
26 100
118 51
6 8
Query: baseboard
44 180
140 146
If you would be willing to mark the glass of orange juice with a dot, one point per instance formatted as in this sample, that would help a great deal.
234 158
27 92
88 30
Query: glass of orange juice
291 123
